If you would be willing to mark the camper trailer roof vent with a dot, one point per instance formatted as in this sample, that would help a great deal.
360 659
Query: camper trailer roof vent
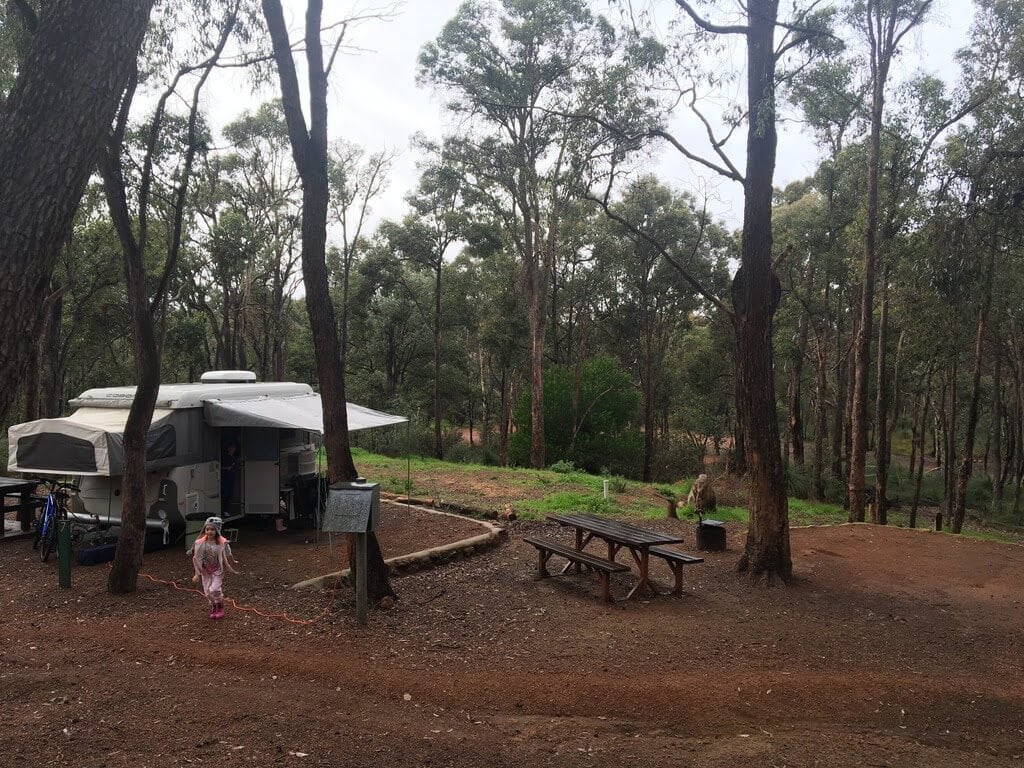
228 377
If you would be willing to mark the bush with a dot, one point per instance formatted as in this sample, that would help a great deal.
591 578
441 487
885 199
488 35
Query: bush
416 439
563 467
598 432
675 458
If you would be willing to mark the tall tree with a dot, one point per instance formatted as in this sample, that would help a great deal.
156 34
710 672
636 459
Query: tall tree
52 126
516 71
883 26
145 306
309 149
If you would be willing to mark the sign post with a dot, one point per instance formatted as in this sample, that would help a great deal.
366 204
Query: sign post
64 553
354 508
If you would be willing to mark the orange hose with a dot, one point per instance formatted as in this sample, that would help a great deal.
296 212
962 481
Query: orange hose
279 616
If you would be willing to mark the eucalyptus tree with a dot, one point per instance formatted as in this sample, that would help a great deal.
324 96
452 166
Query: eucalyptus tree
355 180
310 153
514 74
755 287
65 85
255 184
882 25
650 303
425 237
390 343
85 329
166 150
985 168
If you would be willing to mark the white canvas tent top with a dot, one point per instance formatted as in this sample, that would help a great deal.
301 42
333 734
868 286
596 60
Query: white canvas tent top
89 441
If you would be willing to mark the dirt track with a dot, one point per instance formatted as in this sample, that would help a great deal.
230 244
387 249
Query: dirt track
892 647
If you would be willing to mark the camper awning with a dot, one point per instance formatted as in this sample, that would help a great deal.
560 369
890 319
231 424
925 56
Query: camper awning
301 412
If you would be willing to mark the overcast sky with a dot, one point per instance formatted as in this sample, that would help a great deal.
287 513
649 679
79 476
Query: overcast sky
375 102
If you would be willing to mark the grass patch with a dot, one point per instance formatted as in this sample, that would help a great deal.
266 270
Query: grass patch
803 512
566 501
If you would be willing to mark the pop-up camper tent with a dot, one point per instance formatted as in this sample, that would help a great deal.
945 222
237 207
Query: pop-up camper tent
273 426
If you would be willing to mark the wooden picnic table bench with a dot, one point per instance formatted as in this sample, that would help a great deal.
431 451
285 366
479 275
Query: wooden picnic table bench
676 560
603 568
25 505
618 535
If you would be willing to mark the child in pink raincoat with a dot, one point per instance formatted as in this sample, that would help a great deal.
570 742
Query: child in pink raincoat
211 556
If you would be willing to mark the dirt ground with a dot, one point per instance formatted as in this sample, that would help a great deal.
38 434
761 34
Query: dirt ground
891 648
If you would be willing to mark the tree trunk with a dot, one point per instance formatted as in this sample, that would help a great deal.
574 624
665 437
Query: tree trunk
755 294
739 463
920 453
438 441
820 418
880 59
505 408
997 433
649 428
309 148
842 400
794 392
52 127
949 445
967 463
537 287
879 514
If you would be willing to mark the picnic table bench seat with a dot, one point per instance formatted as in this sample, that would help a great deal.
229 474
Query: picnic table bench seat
603 568
676 560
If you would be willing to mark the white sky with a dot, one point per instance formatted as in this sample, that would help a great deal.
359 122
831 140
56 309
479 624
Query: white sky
375 102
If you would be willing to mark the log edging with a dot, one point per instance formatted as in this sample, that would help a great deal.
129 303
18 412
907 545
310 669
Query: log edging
425 558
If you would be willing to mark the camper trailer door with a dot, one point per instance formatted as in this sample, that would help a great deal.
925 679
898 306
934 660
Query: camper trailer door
261 473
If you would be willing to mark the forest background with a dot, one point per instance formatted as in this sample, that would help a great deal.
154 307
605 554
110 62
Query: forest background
638 359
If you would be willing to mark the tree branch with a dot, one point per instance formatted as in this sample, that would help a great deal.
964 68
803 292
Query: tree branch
637 232
707 26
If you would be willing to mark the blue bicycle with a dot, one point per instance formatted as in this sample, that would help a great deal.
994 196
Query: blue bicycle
54 510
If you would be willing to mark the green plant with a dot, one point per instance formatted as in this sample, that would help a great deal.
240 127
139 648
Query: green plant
617 484
563 467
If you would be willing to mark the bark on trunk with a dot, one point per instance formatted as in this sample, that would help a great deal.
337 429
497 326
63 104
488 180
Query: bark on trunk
967 462
309 148
879 514
438 441
997 433
52 128
920 452
820 419
755 294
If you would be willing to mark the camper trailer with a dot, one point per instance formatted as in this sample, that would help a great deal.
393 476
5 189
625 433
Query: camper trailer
227 446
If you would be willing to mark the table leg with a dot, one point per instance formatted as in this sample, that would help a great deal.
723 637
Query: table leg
643 586
581 544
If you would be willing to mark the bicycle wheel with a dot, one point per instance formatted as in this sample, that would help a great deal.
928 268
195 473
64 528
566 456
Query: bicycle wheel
37 526
49 540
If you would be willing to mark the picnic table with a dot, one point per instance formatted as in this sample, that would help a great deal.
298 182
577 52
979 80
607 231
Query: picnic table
23 490
640 542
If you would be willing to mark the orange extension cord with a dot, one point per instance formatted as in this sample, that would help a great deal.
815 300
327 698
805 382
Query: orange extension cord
247 608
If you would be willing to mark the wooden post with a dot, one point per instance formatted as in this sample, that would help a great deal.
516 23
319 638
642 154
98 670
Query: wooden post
362 601
938 521
64 553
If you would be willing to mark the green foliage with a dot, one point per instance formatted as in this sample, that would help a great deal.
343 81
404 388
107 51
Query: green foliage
593 430
563 467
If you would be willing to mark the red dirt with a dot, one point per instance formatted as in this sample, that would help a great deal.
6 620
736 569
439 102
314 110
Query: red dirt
891 648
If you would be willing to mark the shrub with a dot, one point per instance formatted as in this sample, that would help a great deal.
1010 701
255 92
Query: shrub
675 458
598 432
563 467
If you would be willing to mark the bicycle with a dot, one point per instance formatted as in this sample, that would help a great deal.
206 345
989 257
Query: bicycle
54 510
